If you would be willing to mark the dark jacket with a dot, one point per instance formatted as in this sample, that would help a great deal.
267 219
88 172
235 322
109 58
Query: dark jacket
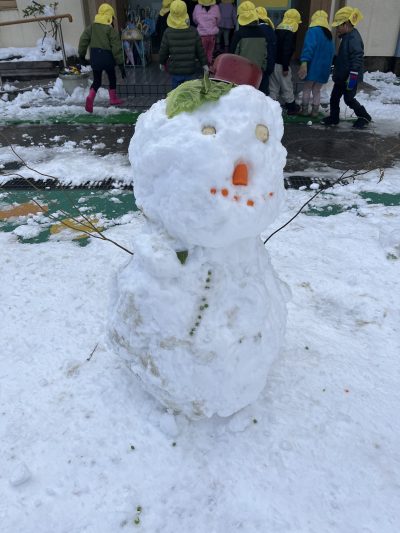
285 47
161 26
250 42
105 46
350 56
271 46
182 48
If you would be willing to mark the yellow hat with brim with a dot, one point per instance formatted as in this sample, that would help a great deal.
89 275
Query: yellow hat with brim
291 20
320 18
263 15
165 7
178 17
247 13
207 2
105 14
347 14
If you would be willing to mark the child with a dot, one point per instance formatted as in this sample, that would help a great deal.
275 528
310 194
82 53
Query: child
348 68
207 16
227 22
267 26
249 40
161 24
181 46
316 61
105 53
281 79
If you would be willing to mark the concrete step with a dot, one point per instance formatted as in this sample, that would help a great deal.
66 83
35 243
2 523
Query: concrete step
29 70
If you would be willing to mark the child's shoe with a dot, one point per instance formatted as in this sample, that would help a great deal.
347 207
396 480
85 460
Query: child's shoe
114 100
304 112
292 108
90 100
330 121
315 111
363 119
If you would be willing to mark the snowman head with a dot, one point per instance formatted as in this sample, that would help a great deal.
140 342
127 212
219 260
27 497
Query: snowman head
214 175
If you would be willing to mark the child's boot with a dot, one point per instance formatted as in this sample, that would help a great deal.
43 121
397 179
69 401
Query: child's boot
363 119
304 112
330 121
315 111
90 100
114 100
292 108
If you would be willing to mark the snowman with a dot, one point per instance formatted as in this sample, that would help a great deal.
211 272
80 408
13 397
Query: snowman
198 313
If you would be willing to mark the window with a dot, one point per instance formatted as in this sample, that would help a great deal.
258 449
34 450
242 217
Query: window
8 4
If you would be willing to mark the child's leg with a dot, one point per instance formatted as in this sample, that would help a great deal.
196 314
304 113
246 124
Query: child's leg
96 80
112 78
226 37
307 92
316 91
334 104
287 87
274 84
208 42
359 110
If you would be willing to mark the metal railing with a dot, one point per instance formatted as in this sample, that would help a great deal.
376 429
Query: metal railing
57 22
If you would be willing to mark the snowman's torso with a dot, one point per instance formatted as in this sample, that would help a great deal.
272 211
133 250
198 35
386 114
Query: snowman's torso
202 335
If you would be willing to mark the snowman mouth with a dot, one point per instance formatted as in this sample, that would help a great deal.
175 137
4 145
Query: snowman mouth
239 192
235 196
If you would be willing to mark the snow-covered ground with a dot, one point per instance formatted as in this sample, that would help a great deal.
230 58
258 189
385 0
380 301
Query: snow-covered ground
84 449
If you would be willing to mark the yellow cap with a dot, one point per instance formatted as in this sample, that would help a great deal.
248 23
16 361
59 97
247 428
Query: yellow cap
291 21
105 14
247 13
206 2
165 7
320 18
348 13
178 17
263 15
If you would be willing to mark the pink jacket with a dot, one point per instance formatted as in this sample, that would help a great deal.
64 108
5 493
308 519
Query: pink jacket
207 21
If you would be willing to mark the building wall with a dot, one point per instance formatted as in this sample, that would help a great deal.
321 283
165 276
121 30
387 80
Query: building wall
380 26
26 35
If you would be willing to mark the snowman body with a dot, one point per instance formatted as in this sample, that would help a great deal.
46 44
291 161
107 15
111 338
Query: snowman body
198 313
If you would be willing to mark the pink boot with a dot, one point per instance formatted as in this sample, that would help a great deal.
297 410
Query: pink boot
90 100
114 100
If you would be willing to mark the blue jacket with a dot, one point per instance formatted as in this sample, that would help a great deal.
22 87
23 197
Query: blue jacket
350 56
318 51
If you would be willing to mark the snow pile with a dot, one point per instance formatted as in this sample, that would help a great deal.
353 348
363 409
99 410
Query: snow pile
45 50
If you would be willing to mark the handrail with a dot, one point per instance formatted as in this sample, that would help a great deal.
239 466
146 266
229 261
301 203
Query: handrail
39 19
36 19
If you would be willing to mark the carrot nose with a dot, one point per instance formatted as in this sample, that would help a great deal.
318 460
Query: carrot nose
240 175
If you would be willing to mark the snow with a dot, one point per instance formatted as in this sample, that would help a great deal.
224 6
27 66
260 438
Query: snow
85 449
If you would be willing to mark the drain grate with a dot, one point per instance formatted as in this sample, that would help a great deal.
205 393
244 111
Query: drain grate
291 182
28 184
295 182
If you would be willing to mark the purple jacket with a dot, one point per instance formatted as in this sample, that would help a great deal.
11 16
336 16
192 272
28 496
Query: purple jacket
228 16
207 21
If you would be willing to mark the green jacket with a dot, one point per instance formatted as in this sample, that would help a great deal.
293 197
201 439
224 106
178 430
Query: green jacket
182 48
101 37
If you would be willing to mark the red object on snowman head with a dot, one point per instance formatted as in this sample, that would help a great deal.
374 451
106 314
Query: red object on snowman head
236 69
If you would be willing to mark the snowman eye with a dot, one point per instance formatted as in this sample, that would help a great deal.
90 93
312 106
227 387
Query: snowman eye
262 133
208 130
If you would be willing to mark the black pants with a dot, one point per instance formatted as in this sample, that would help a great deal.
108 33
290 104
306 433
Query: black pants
97 78
339 90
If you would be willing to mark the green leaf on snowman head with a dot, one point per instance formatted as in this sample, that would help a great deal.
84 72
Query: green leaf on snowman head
190 95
